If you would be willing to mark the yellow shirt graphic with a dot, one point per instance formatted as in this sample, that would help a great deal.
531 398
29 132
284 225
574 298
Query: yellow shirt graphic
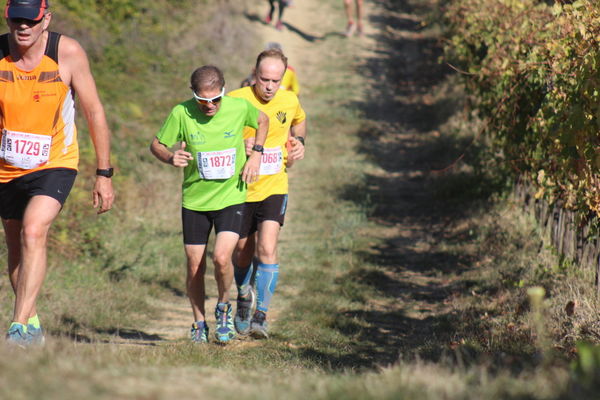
36 104
284 111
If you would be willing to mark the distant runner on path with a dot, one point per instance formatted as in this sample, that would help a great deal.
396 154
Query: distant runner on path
353 26
267 198
41 72
282 4
290 78
216 171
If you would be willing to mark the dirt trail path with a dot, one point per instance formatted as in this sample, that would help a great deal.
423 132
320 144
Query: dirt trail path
174 317
395 51
404 114
401 101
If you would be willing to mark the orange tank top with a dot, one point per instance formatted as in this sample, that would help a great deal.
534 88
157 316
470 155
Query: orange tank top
37 120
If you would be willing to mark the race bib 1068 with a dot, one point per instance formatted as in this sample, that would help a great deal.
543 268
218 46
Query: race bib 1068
25 150
271 161
216 164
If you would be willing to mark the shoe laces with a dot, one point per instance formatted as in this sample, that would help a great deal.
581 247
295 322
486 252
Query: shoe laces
224 315
243 312
259 317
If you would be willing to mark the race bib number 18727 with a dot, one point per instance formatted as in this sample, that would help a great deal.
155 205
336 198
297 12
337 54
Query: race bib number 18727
216 164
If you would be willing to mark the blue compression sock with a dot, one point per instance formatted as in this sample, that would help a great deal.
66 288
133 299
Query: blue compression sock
266 281
242 278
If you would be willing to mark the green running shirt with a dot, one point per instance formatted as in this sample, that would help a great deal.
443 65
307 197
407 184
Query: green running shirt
217 144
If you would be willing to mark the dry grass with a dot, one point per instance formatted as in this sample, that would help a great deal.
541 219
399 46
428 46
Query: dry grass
381 295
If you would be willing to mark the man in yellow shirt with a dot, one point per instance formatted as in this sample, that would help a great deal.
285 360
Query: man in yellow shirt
289 80
267 198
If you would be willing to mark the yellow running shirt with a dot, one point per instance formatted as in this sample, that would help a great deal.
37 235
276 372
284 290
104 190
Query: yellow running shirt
290 81
37 115
284 111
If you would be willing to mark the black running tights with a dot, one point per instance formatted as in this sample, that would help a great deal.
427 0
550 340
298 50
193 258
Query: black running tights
282 4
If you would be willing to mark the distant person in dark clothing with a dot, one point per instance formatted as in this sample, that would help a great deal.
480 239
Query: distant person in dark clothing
269 17
354 26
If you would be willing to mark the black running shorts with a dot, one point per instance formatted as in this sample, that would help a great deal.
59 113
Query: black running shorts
270 209
198 224
53 182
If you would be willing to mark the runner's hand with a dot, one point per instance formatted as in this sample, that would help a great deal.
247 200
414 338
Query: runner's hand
103 194
181 157
251 168
297 152
249 144
288 147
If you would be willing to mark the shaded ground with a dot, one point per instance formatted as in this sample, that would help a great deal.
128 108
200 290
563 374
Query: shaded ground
404 119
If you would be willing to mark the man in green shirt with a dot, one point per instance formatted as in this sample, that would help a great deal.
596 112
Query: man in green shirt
216 171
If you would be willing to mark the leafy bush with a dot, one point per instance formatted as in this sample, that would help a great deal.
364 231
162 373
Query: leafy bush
532 69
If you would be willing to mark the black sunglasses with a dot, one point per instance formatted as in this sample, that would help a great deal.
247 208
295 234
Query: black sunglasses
28 22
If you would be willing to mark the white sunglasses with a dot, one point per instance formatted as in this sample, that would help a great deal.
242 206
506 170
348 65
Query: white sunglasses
206 100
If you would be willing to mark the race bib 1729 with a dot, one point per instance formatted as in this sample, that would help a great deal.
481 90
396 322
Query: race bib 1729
25 150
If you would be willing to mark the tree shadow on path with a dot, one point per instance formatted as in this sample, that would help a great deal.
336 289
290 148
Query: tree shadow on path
404 114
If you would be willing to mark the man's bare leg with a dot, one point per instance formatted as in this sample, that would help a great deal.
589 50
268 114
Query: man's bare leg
348 8
39 215
195 285
225 243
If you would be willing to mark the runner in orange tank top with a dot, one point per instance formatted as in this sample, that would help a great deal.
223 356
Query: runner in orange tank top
49 120
40 71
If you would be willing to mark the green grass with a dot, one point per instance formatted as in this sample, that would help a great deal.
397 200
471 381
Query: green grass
342 259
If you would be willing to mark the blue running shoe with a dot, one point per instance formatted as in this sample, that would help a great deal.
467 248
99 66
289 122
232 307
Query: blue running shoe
225 329
17 336
258 325
199 332
37 335
243 313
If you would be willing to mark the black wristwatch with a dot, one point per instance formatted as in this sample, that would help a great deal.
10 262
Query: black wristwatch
105 172
258 147
300 139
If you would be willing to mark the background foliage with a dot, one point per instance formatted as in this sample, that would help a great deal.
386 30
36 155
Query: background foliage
531 68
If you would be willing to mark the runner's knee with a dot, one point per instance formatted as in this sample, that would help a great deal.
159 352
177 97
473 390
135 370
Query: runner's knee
267 253
221 259
33 234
